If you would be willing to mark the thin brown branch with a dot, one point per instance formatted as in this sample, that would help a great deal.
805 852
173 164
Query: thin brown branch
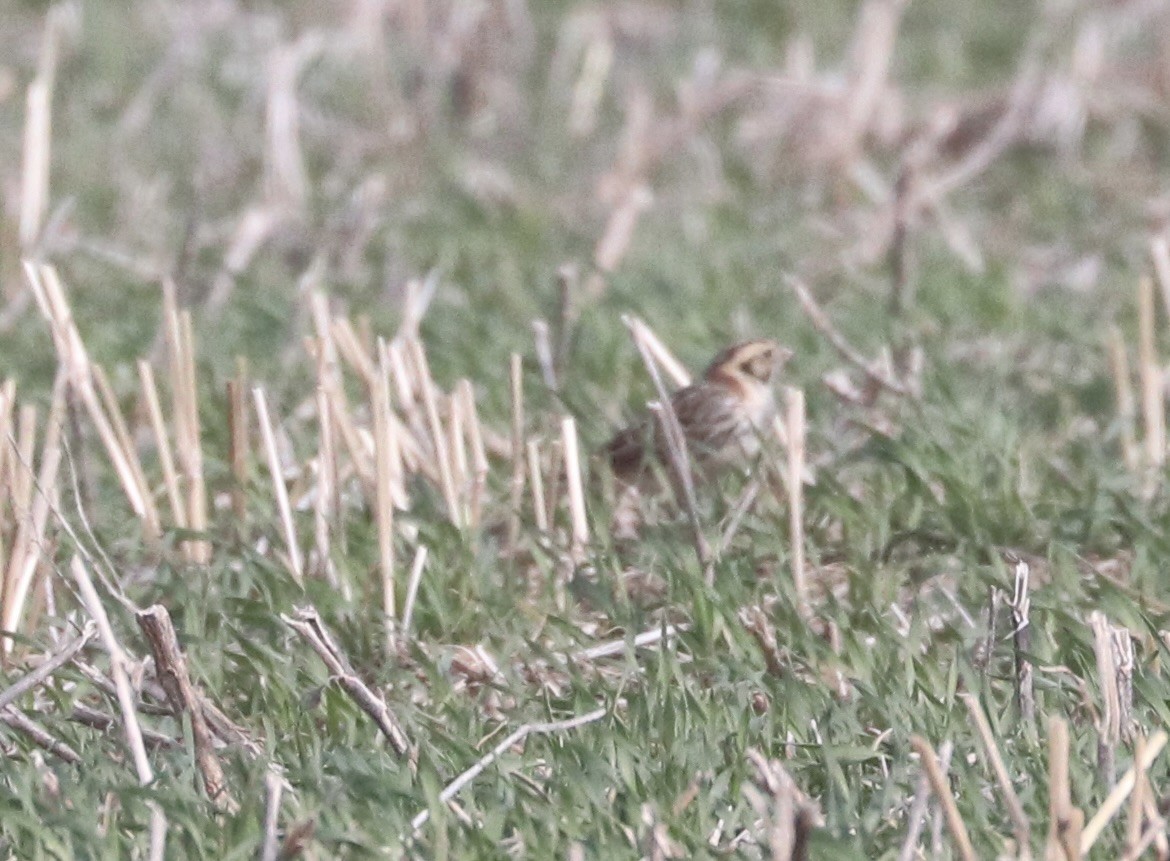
49 666
848 352
16 720
307 623
171 669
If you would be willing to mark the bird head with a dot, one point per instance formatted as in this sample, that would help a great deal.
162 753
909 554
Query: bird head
755 360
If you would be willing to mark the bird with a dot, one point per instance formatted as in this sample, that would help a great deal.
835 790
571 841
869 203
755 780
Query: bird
721 417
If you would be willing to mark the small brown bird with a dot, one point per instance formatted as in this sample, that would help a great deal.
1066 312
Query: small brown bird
721 416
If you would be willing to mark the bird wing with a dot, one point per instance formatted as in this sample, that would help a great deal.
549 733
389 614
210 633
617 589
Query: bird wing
709 419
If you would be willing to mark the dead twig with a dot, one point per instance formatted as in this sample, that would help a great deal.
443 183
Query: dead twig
307 623
454 787
1022 642
16 720
848 352
171 668
119 668
49 666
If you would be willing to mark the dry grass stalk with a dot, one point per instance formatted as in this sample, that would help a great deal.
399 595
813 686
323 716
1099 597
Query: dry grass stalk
21 481
568 284
1020 824
820 320
50 296
735 517
350 348
355 445
1109 723
239 445
1119 365
676 445
405 389
7 405
327 499
479 461
120 670
38 133
590 83
985 653
552 494
47 667
619 229
454 787
122 432
516 488
1116 798
653 637
162 443
460 464
24 452
1123 660
274 787
324 510
171 670
942 791
296 565
1156 831
386 459
18 721
794 421
434 424
286 182
542 346
536 482
1160 254
917 817
580 525
1133 822
1064 820
1020 607
416 572
23 566
872 52
1150 375
191 446
674 369
307 623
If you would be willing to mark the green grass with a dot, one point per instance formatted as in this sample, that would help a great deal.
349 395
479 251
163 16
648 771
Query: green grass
1014 444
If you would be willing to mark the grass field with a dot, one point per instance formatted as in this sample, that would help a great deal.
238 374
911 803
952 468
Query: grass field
331 213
